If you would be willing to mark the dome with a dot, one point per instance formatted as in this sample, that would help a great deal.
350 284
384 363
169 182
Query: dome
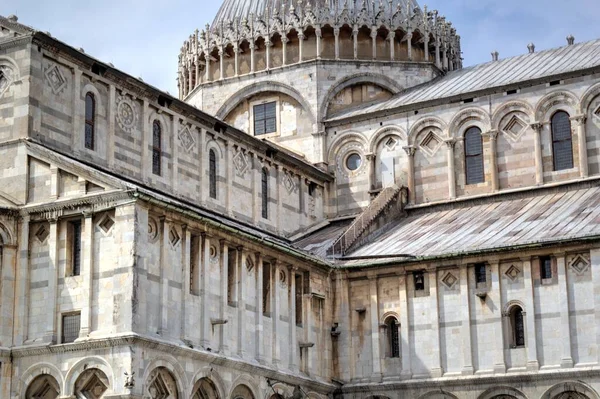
241 9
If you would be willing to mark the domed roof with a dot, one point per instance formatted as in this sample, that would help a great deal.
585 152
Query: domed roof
240 9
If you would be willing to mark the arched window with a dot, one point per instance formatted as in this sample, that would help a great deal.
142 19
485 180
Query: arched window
212 173
90 120
265 193
156 148
393 336
517 327
562 146
474 156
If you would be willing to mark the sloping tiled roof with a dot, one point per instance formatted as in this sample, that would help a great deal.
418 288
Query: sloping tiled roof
524 219
319 242
492 74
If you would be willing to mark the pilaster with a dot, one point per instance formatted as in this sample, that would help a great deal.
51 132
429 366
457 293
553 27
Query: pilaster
493 136
406 373
205 323
292 325
450 143
87 273
259 335
436 370
243 278
580 121
224 258
22 284
465 329
566 360
50 337
529 316
539 165
377 374
499 361
410 151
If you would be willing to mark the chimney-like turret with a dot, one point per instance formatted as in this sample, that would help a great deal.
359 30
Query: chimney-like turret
495 56
570 40
531 48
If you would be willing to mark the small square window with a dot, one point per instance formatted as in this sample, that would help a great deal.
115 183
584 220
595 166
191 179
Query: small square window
419 281
71 323
545 267
480 273
265 118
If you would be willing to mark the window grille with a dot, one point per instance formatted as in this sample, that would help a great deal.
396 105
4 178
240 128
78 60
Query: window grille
265 194
156 148
545 267
562 146
212 174
394 338
265 118
76 247
419 279
480 273
71 323
90 121
474 156
518 327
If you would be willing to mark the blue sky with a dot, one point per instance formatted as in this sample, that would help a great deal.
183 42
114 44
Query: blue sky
143 37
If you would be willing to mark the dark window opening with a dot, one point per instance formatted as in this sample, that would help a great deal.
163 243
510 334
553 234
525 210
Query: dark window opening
156 148
265 194
298 298
518 328
511 92
266 289
212 174
474 156
394 338
468 100
90 121
71 323
419 279
480 273
555 83
265 118
545 267
562 146
75 230
231 277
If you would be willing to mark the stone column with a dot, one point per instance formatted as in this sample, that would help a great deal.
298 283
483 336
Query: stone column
207 66
280 176
410 151
224 258
391 37
595 260
336 33
409 36
241 301
445 56
374 313
111 112
259 337
175 154
465 329
406 372
371 158
493 135
197 65
255 171
374 41
236 54
451 172
539 165
580 121
268 45
221 63
275 310
284 42
301 38
355 41
8 288
190 78
229 187
163 300
54 182
50 337
186 261
566 360
292 325
426 46
87 273
205 323
436 370
438 61
22 283
309 335
496 293
146 139
319 36
252 60
529 317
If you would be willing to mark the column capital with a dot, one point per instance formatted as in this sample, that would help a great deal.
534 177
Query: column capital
537 126
450 143
579 119
370 156
410 150
492 134
336 31
391 35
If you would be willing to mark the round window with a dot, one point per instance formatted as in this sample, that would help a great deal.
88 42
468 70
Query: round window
353 161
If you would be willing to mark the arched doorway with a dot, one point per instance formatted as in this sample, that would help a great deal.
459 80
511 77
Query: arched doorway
91 384
43 387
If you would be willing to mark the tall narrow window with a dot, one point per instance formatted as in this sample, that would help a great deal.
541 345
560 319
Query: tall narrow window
545 267
74 232
231 277
474 156
480 273
156 148
266 289
518 329
71 324
265 118
194 265
265 193
393 336
562 146
90 121
298 298
212 174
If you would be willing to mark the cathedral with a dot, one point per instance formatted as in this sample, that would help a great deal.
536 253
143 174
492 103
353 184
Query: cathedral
332 206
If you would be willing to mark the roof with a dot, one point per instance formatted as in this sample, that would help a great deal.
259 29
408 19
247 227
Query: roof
537 217
320 241
240 9
508 71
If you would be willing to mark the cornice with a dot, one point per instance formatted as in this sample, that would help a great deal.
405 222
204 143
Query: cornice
104 200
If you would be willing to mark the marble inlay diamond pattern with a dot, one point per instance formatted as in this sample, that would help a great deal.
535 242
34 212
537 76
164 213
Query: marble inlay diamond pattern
55 79
512 273
186 138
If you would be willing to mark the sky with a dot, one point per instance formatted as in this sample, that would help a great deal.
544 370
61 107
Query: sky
143 37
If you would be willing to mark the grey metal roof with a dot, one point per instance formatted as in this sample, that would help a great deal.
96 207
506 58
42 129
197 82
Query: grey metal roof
563 214
320 241
240 9
492 74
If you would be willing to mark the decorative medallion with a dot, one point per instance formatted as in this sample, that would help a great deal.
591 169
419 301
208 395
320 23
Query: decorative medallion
174 237
430 144
289 183
186 139
42 233
350 167
282 278
579 264
512 273
514 128
152 229
55 79
6 78
106 224
450 280
214 254
240 161
127 116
